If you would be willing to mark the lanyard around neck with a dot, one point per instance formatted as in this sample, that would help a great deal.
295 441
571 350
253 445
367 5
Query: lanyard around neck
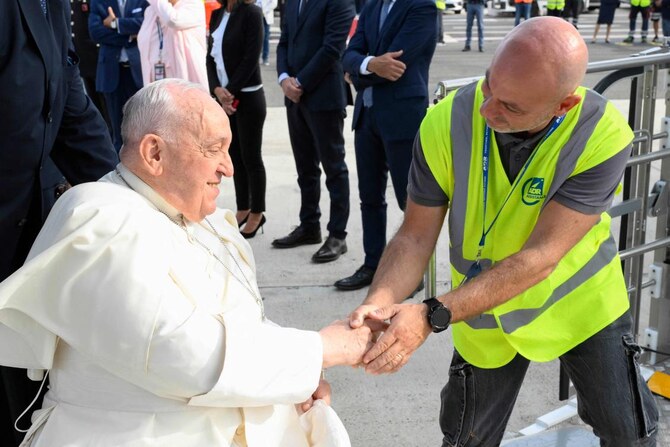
485 177
160 40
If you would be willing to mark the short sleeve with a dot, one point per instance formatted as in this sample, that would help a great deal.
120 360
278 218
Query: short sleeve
422 187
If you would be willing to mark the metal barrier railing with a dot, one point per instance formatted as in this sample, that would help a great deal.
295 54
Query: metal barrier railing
639 201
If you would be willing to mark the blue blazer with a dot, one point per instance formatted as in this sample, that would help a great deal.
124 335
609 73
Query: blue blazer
398 106
310 49
50 130
113 40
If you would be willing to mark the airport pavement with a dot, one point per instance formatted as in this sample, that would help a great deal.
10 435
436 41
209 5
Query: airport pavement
400 409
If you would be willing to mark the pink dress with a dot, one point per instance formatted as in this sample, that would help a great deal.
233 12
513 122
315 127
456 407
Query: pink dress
184 40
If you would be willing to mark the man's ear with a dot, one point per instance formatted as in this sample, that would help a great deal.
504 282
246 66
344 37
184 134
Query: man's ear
568 103
152 153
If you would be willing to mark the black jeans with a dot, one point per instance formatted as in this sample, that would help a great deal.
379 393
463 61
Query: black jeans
612 396
245 151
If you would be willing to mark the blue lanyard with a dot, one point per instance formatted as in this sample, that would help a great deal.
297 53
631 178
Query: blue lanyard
160 40
485 172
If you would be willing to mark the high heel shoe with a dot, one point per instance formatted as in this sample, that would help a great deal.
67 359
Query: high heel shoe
243 221
253 233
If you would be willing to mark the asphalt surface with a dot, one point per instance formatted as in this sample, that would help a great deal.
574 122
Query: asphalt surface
400 409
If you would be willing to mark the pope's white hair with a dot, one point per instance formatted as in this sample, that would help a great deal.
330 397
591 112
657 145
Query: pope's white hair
154 110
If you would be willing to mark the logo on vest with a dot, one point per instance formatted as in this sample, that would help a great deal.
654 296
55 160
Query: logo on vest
532 191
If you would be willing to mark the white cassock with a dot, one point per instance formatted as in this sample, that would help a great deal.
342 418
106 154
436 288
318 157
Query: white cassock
149 339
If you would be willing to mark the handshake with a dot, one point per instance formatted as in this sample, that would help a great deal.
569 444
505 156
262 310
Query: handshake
367 338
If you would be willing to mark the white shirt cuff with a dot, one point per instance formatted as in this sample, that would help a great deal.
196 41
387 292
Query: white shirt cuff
364 66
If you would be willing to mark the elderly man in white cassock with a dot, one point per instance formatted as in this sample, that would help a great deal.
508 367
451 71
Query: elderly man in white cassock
140 298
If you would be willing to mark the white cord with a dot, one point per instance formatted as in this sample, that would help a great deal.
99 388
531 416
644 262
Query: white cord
16 423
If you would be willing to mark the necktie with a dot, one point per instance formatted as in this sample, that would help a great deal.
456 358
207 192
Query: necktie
43 4
385 12
301 7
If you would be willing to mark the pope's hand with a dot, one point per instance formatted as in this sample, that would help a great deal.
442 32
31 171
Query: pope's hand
344 345
322 392
408 330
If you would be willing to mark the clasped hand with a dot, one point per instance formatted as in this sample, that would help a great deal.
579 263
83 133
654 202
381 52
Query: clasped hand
292 89
407 331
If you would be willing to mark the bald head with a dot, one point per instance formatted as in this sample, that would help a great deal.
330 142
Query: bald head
546 50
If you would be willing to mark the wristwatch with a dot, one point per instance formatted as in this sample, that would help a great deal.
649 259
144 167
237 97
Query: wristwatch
439 316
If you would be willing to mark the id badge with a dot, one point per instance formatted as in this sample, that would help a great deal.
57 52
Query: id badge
159 71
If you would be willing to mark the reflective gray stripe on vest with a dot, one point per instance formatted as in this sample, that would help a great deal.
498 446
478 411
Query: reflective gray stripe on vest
461 151
514 320
592 111
483 321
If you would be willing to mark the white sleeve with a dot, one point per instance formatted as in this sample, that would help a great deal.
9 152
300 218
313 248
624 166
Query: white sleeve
185 14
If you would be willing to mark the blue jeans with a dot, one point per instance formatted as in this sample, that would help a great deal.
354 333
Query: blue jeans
613 398
666 27
521 9
475 10
266 40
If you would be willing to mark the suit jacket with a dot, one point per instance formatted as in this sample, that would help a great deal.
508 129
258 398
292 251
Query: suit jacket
113 40
310 49
242 44
49 123
398 106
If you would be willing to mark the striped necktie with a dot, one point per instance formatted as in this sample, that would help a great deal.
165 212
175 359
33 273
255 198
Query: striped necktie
43 4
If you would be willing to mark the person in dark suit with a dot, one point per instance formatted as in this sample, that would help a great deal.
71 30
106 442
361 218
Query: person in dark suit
114 25
52 134
87 50
313 36
387 61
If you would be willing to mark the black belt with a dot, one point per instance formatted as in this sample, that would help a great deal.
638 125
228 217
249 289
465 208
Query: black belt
124 64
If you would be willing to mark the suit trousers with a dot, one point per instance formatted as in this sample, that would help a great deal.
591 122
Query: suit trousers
117 99
316 137
612 396
245 151
376 156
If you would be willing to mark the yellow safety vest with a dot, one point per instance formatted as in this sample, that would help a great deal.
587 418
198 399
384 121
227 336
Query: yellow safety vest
441 4
586 291
640 3
556 4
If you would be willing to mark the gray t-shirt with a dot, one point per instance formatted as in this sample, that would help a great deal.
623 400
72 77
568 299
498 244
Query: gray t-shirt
589 192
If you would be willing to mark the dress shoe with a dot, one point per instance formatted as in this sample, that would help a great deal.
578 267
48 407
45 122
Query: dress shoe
297 237
362 277
330 250
250 234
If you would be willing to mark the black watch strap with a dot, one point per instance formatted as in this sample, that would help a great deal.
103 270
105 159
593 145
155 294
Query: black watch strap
439 317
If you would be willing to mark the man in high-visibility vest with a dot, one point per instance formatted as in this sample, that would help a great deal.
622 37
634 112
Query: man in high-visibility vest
555 7
526 167
642 7
441 5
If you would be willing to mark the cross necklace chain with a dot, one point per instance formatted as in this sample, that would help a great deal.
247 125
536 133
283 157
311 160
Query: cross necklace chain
246 283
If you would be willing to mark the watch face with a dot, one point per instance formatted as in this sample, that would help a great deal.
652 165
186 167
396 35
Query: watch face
440 318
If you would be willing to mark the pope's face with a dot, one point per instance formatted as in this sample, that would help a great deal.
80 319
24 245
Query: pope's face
195 165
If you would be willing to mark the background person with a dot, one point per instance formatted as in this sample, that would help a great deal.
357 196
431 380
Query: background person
268 7
51 134
172 41
605 17
643 8
387 61
521 9
527 171
235 80
151 293
114 25
474 9
309 69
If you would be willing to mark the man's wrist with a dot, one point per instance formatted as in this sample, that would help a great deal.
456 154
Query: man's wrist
114 24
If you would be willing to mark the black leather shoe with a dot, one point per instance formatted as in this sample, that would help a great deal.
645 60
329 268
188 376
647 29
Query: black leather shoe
362 277
297 237
330 250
